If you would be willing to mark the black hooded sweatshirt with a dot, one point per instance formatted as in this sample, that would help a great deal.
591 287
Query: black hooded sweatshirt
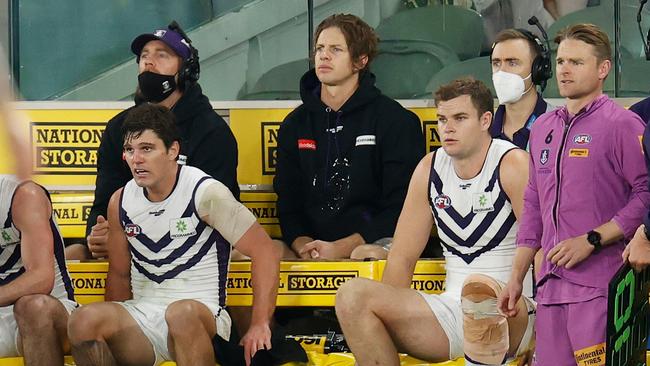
347 171
206 141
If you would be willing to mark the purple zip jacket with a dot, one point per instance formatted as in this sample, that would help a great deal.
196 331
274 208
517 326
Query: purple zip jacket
584 172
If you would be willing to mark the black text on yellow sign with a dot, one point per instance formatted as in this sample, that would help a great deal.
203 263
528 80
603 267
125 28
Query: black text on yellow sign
293 282
431 135
66 147
318 282
269 146
71 213
431 284
265 212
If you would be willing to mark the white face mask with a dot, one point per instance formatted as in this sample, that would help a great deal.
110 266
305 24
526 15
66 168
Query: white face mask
509 87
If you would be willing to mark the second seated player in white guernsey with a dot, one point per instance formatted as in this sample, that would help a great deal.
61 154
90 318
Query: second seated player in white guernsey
472 189
36 293
170 238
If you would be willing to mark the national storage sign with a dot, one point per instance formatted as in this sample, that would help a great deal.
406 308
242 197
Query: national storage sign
66 148
64 145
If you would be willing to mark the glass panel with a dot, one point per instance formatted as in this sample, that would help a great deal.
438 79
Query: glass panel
634 71
256 53
246 47
257 49
64 44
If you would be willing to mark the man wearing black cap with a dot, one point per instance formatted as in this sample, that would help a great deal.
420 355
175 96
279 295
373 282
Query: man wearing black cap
168 68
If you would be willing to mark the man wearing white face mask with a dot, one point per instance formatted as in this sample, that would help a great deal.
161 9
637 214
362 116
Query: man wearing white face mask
520 61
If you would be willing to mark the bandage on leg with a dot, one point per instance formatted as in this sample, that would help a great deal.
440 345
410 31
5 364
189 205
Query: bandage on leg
488 339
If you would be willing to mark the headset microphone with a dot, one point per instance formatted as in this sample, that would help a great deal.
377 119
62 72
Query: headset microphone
534 21
191 69
543 68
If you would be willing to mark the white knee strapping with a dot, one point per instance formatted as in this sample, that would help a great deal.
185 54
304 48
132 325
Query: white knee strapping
480 310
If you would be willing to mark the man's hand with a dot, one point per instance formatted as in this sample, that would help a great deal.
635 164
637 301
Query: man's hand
570 252
257 337
319 249
299 244
507 300
98 238
637 252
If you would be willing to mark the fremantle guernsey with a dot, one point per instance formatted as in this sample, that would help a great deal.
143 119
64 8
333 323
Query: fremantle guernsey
11 264
475 221
174 254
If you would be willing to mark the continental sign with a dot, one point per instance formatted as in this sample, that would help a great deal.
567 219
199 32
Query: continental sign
263 206
256 131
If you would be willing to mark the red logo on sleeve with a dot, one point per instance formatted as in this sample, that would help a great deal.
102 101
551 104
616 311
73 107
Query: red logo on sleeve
306 144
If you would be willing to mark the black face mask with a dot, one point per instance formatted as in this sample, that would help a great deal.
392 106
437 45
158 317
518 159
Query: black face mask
156 87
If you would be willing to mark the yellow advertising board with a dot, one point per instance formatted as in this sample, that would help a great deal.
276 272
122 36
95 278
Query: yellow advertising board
263 206
302 283
64 145
429 120
88 280
256 131
428 275
72 211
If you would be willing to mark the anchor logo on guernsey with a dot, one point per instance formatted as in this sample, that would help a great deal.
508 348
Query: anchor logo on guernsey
442 202
543 156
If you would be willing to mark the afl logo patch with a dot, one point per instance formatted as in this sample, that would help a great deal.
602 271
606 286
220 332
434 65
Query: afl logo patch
543 156
132 230
582 139
442 202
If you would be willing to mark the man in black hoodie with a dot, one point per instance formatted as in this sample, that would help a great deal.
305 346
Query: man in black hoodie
168 72
346 155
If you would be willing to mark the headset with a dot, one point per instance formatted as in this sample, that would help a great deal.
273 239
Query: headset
190 68
541 69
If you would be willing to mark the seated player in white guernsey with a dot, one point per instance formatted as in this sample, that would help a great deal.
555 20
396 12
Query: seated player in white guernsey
472 189
36 293
171 231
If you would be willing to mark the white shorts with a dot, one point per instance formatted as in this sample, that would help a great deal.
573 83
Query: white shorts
447 310
150 317
9 336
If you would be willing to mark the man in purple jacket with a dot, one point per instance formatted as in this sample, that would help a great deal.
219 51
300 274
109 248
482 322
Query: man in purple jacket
587 192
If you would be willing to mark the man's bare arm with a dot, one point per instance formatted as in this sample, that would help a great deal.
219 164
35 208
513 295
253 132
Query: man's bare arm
219 209
118 279
413 229
31 211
